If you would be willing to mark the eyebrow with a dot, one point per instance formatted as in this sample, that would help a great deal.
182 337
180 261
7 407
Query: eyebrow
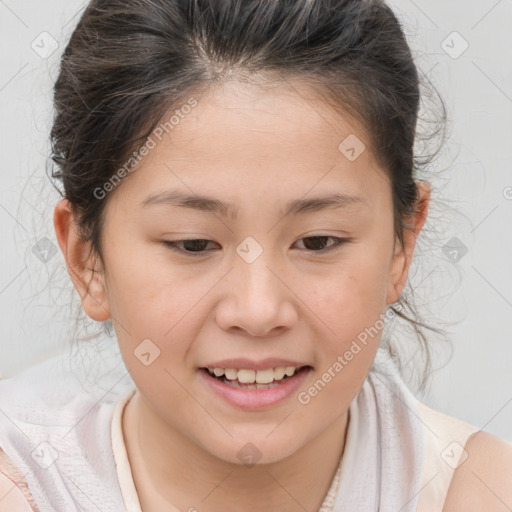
212 205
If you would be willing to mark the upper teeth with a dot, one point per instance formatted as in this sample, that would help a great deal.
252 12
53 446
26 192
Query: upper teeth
251 376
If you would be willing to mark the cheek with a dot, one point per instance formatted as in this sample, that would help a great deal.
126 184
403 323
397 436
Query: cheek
351 309
147 301
139 282
351 306
352 296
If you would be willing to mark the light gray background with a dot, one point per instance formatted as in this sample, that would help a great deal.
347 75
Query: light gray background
472 197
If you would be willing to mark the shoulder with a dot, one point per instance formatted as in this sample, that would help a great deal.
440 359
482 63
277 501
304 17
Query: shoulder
12 499
484 480
14 494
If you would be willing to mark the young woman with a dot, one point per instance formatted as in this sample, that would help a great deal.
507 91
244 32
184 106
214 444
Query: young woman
241 201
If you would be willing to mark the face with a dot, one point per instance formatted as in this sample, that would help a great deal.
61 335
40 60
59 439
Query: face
254 279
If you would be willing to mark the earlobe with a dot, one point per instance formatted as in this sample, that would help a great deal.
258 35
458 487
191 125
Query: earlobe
403 254
84 266
398 276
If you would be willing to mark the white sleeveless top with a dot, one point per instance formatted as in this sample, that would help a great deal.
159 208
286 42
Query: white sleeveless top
65 451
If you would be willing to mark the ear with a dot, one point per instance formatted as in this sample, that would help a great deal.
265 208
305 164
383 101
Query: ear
403 255
84 266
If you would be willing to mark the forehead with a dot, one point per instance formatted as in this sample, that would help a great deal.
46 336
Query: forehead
240 141
254 121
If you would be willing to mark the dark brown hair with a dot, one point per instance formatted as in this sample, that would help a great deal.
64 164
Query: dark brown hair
128 62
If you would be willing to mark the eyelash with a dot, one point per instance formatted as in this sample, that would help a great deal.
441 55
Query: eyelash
173 245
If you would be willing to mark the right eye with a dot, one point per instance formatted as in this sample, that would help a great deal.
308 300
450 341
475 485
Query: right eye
192 247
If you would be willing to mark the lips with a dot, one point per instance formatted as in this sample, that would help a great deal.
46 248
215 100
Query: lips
244 371
250 364
272 375
254 396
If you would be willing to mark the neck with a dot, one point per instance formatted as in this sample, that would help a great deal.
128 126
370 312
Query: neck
169 469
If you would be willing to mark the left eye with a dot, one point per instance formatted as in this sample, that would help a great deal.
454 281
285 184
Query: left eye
320 240
196 247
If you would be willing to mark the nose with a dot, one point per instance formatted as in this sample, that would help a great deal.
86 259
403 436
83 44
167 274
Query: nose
257 300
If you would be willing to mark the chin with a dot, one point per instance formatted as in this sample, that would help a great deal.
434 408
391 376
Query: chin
250 450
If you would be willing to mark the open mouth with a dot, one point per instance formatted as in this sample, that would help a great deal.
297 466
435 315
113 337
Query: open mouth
245 380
